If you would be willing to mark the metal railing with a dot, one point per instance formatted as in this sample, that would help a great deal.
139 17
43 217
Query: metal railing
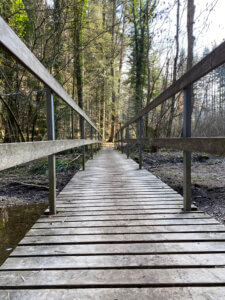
212 145
14 154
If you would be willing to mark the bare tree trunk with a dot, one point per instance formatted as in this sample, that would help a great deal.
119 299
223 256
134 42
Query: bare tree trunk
191 38
148 66
77 39
113 117
13 117
172 108
102 96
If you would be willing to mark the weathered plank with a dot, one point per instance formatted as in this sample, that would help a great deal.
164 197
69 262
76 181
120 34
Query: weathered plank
14 154
167 216
75 212
175 293
115 261
121 238
126 223
125 230
137 208
111 203
130 248
110 278
125 197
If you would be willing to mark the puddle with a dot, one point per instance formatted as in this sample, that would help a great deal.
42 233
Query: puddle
14 223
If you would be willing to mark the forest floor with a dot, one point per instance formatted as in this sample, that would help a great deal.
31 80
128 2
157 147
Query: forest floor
208 178
28 184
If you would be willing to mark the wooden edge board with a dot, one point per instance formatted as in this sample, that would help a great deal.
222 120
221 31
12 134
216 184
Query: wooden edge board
14 154
114 249
99 278
156 293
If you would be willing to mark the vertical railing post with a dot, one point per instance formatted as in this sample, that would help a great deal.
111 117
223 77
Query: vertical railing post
116 140
140 143
72 125
91 144
186 154
127 138
122 141
83 137
96 145
99 146
120 138
51 158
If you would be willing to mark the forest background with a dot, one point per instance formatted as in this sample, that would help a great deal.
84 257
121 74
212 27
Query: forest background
113 57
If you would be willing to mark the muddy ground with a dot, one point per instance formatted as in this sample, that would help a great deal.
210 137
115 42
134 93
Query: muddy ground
208 178
28 184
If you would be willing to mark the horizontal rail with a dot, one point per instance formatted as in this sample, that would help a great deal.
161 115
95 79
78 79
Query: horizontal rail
214 145
15 154
13 44
213 60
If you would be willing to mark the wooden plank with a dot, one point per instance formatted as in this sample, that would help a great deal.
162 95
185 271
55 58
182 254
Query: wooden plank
70 212
124 229
126 195
171 222
13 44
115 261
98 203
117 203
168 216
14 154
121 238
117 207
110 278
175 293
119 192
117 197
130 248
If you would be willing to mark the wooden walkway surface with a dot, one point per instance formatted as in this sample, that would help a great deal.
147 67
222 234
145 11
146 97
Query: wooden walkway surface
120 234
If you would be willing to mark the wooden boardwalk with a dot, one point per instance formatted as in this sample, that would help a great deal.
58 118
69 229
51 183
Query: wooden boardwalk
120 234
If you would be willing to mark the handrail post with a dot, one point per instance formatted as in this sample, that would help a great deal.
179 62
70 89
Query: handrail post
140 144
99 147
91 144
83 137
51 158
115 141
96 145
127 137
186 154
120 138
122 141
